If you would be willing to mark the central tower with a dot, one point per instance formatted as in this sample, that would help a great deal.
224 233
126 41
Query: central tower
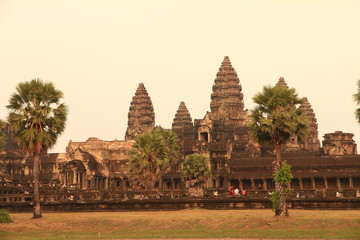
227 100
141 117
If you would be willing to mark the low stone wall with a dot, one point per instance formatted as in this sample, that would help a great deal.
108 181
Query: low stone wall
179 204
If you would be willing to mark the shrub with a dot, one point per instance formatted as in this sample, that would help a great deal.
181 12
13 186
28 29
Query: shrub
5 217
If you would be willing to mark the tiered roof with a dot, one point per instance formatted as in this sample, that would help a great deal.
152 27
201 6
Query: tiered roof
227 99
141 117
312 140
282 82
182 117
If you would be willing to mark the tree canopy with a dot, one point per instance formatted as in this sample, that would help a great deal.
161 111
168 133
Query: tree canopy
276 117
195 167
37 118
2 135
151 155
357 101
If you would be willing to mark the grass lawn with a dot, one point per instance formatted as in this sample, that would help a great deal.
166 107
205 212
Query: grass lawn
197 223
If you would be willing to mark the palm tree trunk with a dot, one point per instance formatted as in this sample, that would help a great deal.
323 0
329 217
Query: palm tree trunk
37 210
281 209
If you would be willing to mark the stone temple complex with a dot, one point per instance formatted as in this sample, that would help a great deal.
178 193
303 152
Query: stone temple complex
222 134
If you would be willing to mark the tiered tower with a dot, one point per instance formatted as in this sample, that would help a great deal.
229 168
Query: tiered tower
141 117
282 82
312 143
183 126
227 99
182 117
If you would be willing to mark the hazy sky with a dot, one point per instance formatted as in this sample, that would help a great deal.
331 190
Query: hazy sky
97 52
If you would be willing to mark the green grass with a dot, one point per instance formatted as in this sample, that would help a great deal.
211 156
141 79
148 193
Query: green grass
305 224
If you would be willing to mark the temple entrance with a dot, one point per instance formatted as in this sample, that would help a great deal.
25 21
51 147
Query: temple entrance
332 183
319 183
307 183
204 137
246 184
75 174
235 183
344 183
356 182
295 184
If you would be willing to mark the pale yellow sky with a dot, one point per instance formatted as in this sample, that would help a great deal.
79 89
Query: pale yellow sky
97 52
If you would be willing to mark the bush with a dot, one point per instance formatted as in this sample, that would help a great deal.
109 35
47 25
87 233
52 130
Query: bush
5 217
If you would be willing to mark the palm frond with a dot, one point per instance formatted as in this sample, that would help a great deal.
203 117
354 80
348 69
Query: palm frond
276 117
36 115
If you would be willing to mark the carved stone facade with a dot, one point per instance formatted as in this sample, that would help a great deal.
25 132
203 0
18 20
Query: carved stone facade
97 164
227 99
222 134
141 117
339 143
183 126
312 143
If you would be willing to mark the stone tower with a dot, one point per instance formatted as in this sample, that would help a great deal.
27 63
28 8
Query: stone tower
182 117
311 143
183 126
227 99
282 82
141 117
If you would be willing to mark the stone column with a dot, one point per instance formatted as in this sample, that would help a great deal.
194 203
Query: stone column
338 183
74 177
172 183
160 184
313 183
325 182
264 183
301 184
123 184
67 181
84 181
241 184
252 184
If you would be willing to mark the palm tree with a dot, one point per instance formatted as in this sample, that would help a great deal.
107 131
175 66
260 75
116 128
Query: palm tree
275 119
2 135
195 168
151 156
357 100
37 118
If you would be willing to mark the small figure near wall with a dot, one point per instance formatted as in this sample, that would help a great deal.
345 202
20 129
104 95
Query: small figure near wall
231 191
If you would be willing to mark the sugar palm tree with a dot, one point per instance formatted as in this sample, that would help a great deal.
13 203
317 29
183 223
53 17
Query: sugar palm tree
2 135
275 119
151 156
37 118
195 168
357 100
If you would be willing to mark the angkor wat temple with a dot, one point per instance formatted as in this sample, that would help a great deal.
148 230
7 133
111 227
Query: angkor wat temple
222 134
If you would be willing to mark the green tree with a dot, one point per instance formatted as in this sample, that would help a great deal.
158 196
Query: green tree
195 168
275 119
151 156
2 135
37 118
357 101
